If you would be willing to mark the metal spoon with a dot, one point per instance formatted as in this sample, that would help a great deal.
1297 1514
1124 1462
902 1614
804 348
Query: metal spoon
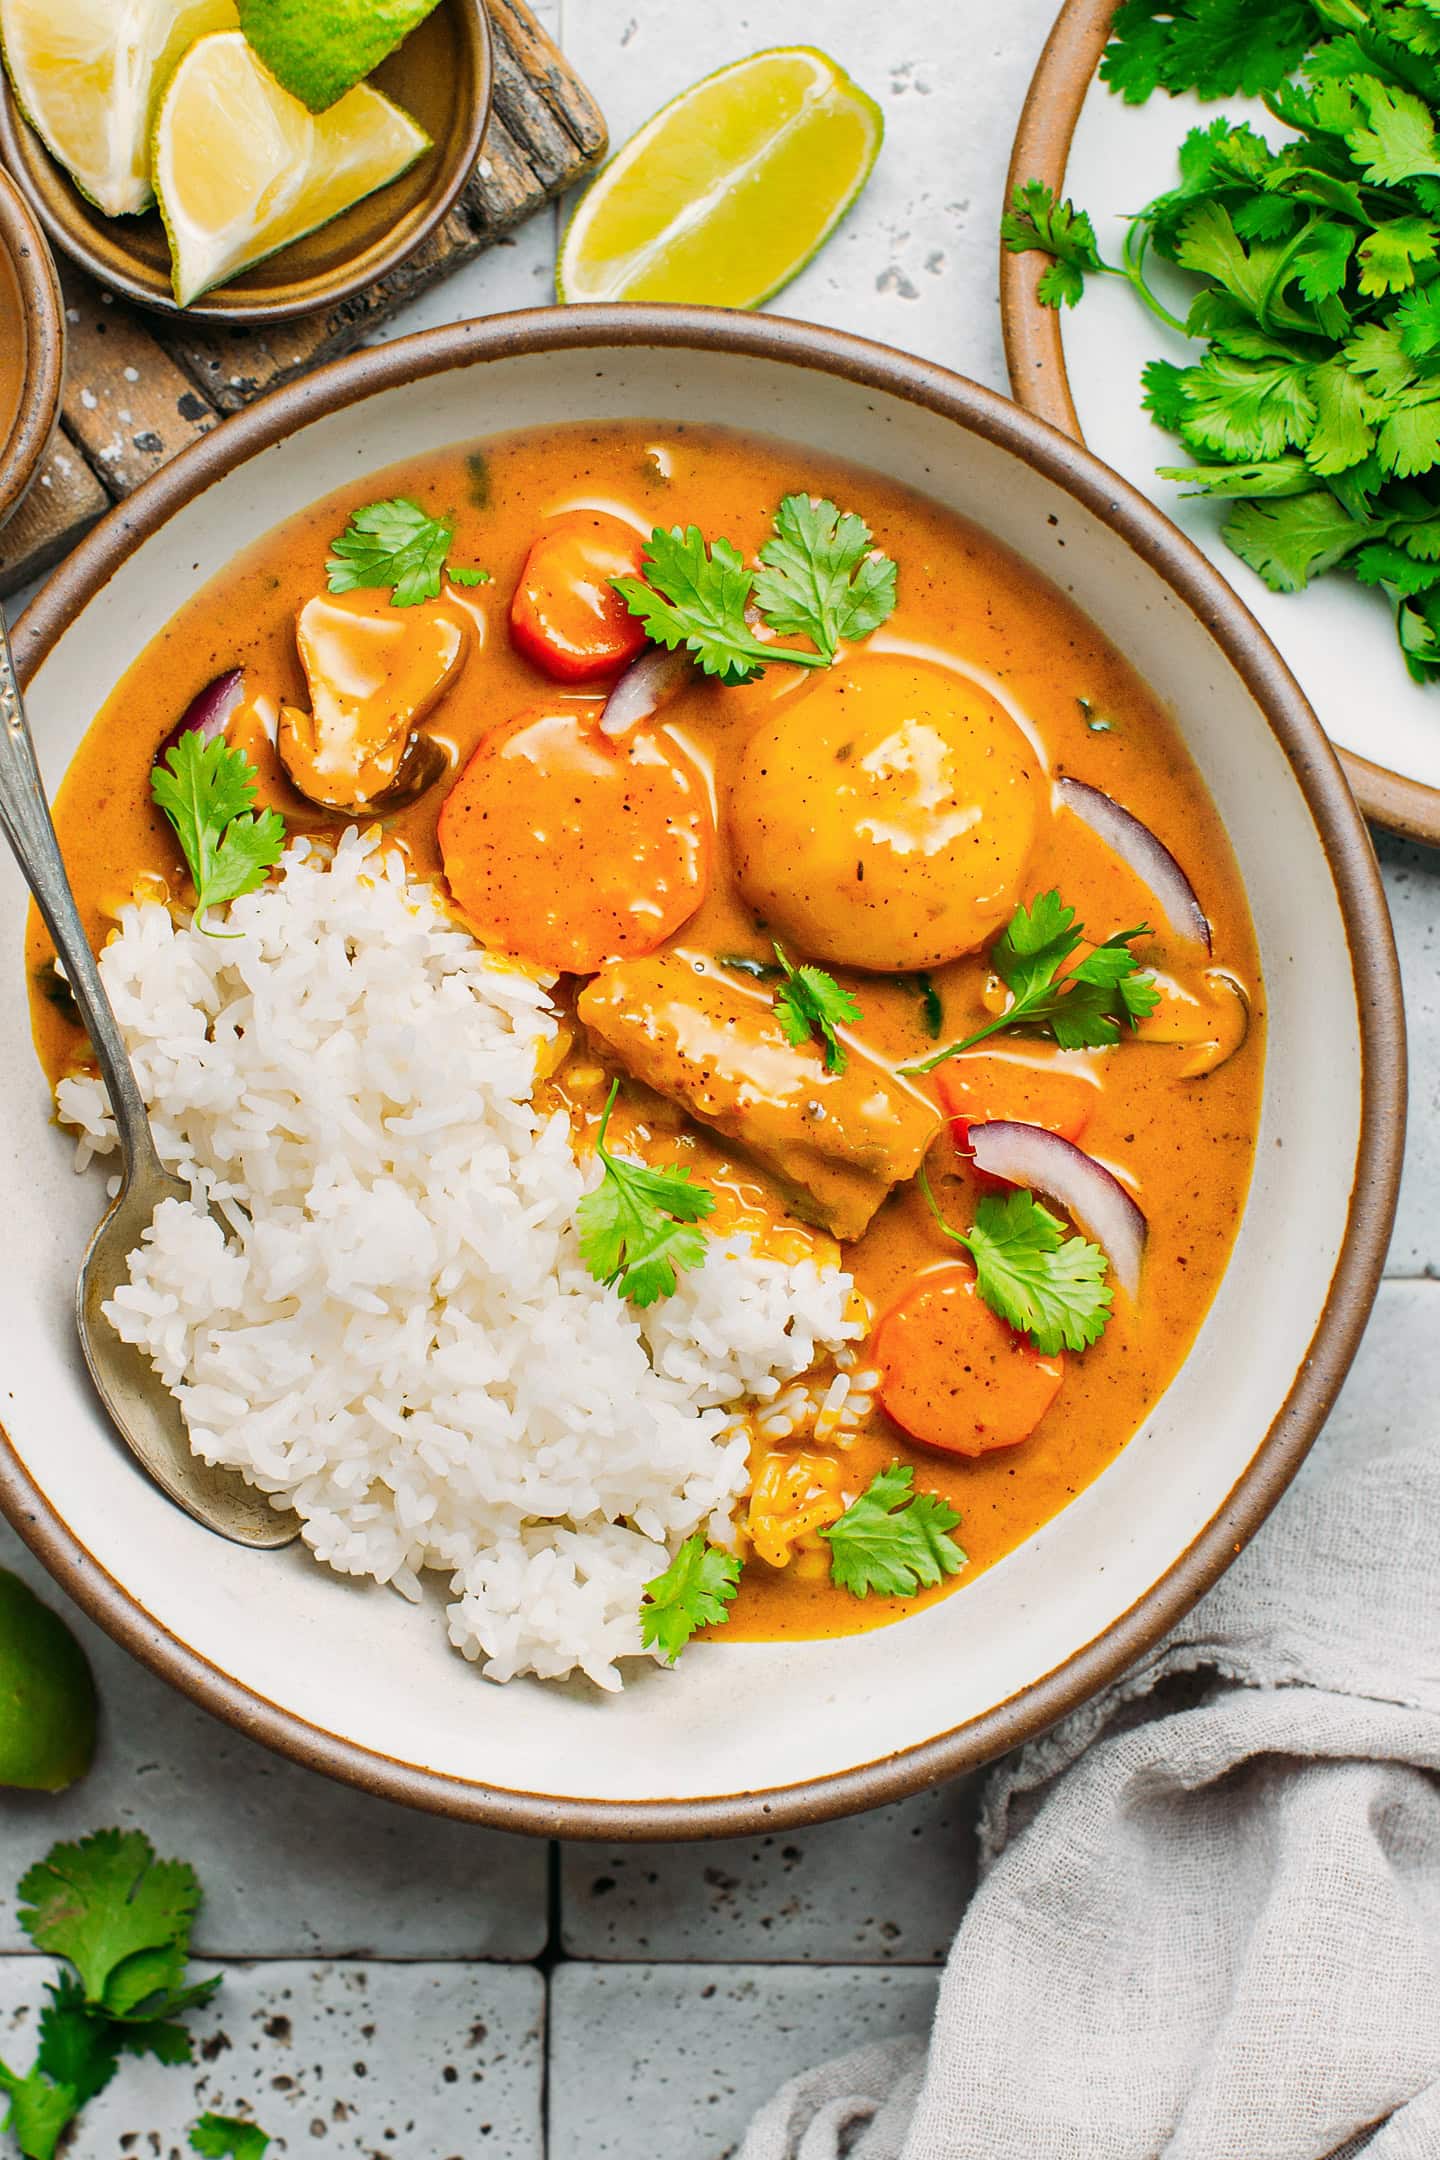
145 1413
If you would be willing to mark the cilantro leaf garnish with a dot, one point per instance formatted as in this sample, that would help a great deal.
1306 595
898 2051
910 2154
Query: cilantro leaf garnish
818 577
228 2137
810 1005
1046 1285
695 1591
106 1902
821 577
206 790
892 1539
640 1225
1085 1007
121 1919
696 596
398 544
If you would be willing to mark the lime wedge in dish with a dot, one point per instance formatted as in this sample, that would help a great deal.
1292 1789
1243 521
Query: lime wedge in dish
319 49
88 74
241 168
729 190
47 1696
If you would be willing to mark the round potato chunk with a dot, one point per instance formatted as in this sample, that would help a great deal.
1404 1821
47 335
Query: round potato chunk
884 819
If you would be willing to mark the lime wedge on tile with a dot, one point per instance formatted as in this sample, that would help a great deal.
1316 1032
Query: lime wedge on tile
241 168
47 1697
319 49
88 75
728 191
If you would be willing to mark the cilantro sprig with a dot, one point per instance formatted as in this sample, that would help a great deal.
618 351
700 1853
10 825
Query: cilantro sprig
695 1591
1050 1287
640 1225
206 790
819 577
1084 1007
398 544
810 1005
892 1539
121 1920
1312 408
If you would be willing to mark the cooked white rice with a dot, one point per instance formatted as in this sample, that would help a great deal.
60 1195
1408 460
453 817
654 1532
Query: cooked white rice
398 1338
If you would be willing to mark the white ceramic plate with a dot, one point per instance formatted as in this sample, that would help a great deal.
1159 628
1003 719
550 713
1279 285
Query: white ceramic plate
356 1682
1081 370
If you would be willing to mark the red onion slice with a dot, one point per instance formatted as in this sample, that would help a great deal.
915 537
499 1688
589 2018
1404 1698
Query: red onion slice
647 684
208 712
1148 857
1089 1194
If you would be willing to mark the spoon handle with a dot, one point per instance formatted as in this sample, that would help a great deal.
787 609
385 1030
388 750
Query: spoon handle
25 819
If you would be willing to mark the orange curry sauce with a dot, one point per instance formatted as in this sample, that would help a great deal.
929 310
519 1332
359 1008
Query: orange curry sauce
1184 1145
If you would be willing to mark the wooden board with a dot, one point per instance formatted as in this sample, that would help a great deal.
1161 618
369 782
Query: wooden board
140 387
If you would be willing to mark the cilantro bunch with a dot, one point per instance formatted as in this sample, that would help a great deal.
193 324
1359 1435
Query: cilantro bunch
1315 406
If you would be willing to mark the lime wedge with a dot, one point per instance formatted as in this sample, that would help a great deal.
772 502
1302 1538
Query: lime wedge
47 1697
241 168
319 49
88 75
729 190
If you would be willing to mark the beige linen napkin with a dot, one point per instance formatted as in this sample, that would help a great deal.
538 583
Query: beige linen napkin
1208 1921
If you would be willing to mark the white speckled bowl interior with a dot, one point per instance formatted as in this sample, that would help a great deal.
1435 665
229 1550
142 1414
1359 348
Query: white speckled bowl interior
357 1682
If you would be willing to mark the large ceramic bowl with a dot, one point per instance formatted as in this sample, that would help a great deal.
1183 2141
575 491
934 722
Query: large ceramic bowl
351 1680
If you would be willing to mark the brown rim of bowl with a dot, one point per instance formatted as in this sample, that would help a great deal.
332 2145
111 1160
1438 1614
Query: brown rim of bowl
1035 347
68 220
1375 971
42 315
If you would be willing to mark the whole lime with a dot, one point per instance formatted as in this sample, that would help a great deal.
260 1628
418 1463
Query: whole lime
47 1694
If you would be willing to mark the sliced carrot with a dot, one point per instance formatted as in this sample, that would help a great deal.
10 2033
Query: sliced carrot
566 616
568 847
975 1089
954 1375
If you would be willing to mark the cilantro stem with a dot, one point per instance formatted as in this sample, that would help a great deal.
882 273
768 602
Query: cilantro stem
1011 1017
1132 269
600 1148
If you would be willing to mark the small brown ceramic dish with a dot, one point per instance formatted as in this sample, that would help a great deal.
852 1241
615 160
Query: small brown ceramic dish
442 75
1079 369
32 346
745 1736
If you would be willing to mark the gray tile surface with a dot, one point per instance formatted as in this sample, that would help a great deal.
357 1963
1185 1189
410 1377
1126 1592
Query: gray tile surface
353 2061
292 1864
653 2059
885 1888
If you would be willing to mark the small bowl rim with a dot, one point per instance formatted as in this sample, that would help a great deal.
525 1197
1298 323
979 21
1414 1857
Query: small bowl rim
1035 346
42 311
223 305
1374 967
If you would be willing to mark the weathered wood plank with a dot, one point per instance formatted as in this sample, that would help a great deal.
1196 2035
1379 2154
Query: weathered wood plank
139 387
63 503
129 407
